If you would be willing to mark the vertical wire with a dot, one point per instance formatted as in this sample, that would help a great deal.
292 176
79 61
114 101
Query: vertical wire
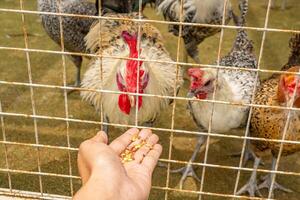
247 132
284 132
59 6
290 105
100 58
286 126
213 98
5 148
31 95
138 66
178 68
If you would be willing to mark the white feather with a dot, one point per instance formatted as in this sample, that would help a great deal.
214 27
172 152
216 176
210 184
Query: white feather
225 117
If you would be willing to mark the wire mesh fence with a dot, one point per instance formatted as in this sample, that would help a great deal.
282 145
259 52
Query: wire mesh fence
41 131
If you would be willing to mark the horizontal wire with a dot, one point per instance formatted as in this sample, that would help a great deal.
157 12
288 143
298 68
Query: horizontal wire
150 21
148 95
30 195
146 127
208 193
162 160
27 194
149 60
229 167
17 171
38 145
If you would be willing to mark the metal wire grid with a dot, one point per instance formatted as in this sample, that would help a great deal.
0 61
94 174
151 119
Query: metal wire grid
171 131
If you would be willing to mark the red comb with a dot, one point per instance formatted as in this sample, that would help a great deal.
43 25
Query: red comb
195 72
131 40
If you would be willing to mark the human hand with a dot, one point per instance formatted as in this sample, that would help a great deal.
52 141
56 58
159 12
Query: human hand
103 174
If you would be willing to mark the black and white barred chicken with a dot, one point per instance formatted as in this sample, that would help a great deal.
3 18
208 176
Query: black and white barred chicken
119 38
197 11
230 85
74 28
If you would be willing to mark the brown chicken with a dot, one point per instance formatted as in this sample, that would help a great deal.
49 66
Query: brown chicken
270 123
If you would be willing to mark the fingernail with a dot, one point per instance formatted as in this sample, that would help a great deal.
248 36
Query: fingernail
145 133
101 137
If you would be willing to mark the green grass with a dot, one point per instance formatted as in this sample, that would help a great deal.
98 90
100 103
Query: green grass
47 69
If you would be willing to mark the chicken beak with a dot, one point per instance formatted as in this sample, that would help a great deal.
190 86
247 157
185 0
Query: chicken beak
132 100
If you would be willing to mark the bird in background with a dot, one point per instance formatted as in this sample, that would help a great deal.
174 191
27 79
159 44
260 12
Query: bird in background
123 6
196 11
113 6
229 85
74 28
120 38
270 123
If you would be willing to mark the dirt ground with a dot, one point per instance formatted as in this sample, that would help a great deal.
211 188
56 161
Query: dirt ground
47 69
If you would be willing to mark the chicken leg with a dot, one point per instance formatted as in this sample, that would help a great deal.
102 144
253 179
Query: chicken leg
248 154
105 126
268 180
192 50
77 60
251 186
188 170
283 4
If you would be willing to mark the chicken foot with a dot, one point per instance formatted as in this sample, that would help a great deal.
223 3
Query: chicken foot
268 180
188 170
251 186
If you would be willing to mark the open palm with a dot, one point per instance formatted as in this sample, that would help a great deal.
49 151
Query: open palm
131 180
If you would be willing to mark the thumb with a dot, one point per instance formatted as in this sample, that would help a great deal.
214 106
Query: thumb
101 137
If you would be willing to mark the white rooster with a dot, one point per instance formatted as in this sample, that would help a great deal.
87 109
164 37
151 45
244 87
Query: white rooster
119 38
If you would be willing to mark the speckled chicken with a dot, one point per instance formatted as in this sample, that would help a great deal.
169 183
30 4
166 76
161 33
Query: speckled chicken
231 85
196 11
270 123
119 38
74 28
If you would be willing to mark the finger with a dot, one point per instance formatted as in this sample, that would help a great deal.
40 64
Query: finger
151 159
101 137
143 151
122 142
143 135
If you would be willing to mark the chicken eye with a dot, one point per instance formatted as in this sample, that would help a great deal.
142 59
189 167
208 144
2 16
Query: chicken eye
207 83
121 79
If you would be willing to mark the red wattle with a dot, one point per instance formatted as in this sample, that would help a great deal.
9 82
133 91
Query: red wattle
124 104
140 102
201 96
